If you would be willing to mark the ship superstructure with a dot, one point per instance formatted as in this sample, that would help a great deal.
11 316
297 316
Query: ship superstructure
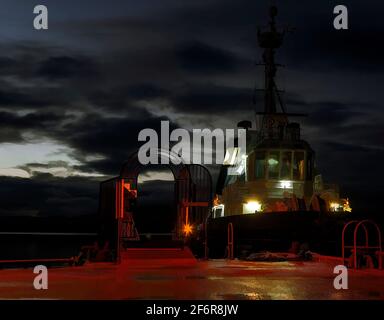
278 173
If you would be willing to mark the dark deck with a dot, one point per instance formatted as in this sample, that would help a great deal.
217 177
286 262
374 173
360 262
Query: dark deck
182 277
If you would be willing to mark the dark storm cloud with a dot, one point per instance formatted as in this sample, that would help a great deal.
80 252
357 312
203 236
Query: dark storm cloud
113 138
368 134
13 97
65 67
122 97
40 123
351 155
109 166
332 146
39 77
202 58
145 91
48 195
31 120
357 169
315 42
85 87
30 60
208 98
355 49
7 65
328 113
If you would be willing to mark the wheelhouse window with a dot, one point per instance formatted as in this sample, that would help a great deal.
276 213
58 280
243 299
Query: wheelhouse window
298 165
273 164
286 165
260 165
309 166
283 164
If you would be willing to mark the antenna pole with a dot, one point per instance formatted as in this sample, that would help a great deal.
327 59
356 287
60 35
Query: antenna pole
270 40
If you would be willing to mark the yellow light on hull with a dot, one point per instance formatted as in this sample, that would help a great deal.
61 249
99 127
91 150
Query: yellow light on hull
346 207
252 207
334 206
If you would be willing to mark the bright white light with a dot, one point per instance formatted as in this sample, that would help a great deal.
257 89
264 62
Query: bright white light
285 184
252 207
334 206
272 162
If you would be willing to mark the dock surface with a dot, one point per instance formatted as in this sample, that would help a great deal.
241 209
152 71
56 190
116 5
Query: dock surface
214 279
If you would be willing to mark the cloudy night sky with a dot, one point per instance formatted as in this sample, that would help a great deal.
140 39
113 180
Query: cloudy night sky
73 98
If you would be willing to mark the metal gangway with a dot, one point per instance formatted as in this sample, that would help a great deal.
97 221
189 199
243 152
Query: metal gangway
365 246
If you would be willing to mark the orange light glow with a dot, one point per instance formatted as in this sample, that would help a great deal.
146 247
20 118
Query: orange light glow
187 229
346 207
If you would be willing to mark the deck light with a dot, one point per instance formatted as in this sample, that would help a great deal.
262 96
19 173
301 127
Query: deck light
334 206
187 229
346 207
252 207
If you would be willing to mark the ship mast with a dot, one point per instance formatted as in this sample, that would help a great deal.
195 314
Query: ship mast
271 40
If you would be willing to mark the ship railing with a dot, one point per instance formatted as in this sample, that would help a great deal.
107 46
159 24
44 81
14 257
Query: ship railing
362 248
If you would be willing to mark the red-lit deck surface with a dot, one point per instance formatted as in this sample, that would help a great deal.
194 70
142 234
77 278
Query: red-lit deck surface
185 279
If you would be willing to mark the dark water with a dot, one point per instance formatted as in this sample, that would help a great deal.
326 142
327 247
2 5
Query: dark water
38 246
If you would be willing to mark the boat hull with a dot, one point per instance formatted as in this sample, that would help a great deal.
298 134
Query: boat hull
276 231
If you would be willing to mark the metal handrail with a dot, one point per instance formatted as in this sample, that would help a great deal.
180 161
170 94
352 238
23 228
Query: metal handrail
343 246
355 246
362 223
343 238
